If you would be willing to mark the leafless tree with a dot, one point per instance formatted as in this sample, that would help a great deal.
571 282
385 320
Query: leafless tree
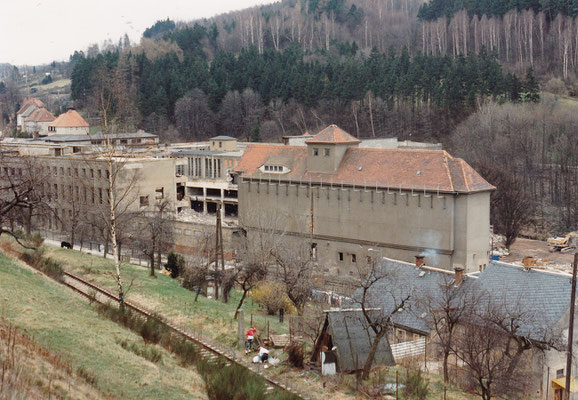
294 263
20 195
198 267
371 276
448 307
156 233
252 270
194 118
496 343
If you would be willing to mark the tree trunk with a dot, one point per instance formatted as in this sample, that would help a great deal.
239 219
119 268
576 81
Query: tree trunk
240 303
371 355
445 366
152 262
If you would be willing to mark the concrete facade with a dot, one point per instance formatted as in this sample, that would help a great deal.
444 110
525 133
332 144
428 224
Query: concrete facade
318 198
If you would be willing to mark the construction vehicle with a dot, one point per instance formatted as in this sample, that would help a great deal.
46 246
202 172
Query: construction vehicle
564 244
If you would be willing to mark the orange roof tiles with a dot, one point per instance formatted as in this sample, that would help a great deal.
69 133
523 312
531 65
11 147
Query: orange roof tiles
71 118
333 134
30 101
430 170
41 115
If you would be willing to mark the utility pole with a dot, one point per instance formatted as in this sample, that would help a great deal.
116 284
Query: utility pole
571 329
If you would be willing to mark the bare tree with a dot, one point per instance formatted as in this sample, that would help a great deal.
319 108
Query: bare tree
194 118
20 195
156 233
448 308
294 262
197 271
371 276
495 345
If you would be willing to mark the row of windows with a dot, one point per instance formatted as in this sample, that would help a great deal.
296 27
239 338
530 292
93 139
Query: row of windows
70 193
273 168
84 172
212 168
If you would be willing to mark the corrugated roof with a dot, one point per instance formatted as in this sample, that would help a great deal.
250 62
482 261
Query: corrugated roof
41 115
353 337
71 118
332 135
431 170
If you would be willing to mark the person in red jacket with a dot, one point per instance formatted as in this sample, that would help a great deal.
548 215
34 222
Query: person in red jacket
249 335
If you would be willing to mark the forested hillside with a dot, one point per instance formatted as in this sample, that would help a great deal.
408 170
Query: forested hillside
371 66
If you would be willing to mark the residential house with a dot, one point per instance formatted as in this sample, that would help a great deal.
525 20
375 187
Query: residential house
69 123
28 107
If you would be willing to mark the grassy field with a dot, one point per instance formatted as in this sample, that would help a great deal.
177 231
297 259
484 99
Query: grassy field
165 296
66 325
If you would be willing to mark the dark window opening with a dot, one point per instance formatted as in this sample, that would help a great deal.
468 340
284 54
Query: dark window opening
197 206
211 208
314 251
195 191
144 201
327 151
231 210
214 192
180 192
231 194
340 256
353 258
315 151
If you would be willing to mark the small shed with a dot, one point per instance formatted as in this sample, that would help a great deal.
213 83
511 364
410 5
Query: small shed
350 333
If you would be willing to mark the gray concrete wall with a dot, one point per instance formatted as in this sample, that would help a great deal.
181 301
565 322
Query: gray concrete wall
351 221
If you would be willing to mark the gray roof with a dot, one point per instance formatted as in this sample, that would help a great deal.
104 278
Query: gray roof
194 152
541 298
97 136
223 138
353 337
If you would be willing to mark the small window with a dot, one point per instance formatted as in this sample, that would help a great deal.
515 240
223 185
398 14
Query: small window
144 201
178 230
92 173
187 232
327 152
68 170
315 151
353 258
220 144
314 251
559 373
340 256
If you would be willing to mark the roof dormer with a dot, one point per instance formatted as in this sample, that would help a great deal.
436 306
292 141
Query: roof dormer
326 149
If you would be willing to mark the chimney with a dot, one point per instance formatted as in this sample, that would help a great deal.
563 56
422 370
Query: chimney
458 275
419 260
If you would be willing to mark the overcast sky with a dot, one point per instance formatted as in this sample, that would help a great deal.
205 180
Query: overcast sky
36 32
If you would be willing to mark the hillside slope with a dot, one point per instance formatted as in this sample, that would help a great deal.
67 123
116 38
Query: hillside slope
66 325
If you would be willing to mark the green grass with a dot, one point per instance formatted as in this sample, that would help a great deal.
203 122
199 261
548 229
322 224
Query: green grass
166 297
68 326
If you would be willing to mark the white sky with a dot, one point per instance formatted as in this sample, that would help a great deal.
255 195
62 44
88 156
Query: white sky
37 32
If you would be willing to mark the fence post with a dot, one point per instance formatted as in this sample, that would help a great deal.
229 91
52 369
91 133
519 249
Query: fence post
241 327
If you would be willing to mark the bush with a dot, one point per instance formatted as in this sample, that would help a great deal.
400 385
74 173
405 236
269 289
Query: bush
416 386
556 86
295 352
152 330
175 264
271 295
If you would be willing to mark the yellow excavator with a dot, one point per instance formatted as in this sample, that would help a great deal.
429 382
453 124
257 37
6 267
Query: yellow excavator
564 244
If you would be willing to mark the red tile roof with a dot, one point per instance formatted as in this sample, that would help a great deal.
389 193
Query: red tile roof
41 115
333 134
71 118
431 170
28 102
